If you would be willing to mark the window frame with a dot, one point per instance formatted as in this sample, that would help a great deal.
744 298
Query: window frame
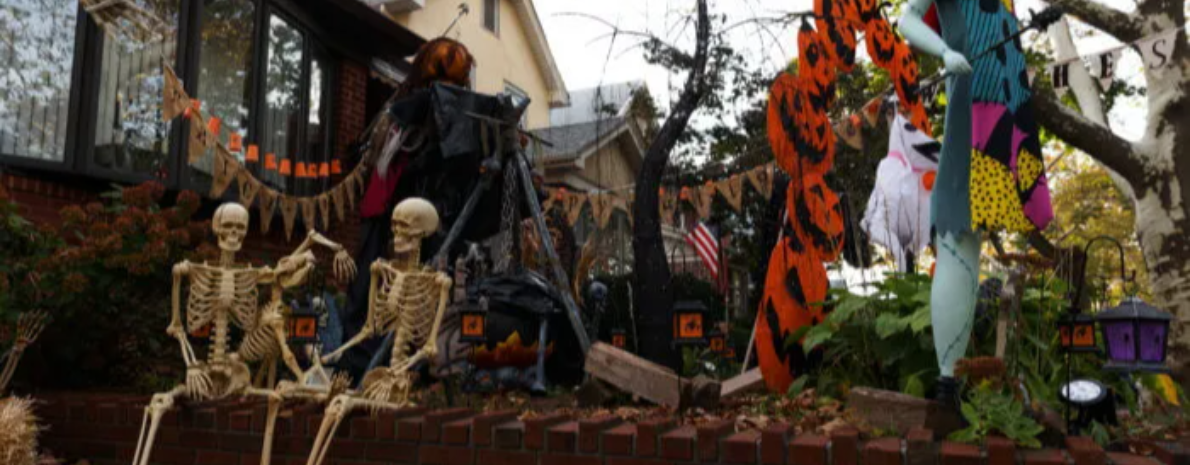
495 9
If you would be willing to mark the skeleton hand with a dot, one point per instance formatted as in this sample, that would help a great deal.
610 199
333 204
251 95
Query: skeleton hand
198 382
344 266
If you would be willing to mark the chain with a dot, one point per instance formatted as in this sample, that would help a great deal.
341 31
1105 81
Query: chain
510 250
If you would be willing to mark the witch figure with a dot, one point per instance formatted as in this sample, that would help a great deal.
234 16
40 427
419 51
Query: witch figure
991 175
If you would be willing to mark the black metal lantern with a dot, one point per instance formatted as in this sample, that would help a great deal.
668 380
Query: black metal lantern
718 341
302 326
689 316
619 338
1136 334
1077 333
473 319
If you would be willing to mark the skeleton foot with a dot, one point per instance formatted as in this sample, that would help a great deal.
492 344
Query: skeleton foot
335 412
157 407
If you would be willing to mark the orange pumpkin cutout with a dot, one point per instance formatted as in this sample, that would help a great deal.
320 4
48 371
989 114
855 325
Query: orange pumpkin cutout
882 41
836 21
818 217
814 65
795 279
904 74
867 10
781 126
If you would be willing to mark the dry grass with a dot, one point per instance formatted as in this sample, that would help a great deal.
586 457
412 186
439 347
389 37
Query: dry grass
18 432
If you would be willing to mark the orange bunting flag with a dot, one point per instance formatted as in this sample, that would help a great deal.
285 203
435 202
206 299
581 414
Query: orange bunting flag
285 168
253 154
336 167
196 104
270 160
235 143
214 125
324 170
300 170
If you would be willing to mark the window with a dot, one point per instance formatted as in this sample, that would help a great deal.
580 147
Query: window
225 72
130 136
518 97
491 15
37 45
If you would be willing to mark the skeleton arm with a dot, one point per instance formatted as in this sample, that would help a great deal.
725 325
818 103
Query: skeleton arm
175 328
369 328
344 268
29 326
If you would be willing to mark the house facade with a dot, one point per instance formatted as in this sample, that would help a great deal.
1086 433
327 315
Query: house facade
80 108
506 38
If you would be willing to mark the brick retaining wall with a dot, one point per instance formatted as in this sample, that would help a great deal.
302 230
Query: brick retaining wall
103 429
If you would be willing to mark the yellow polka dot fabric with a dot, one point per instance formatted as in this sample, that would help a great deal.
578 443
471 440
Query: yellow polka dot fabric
995 202
1029 169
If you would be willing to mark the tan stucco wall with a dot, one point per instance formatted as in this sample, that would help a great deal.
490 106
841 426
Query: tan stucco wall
506 57
609 168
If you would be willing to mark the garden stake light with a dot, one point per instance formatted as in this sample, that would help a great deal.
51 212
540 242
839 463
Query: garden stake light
1136 335
689 316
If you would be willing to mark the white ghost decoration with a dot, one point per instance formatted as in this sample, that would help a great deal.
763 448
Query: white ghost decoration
898 213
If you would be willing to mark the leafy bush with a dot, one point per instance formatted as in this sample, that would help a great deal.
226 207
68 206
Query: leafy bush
881 340
990 411
103 274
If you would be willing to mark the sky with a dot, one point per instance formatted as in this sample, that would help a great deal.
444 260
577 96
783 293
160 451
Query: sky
587 56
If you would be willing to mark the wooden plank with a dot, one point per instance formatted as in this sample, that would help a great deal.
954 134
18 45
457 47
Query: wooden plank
748 382
634 375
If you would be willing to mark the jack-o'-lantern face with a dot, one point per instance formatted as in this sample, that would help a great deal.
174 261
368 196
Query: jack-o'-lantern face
904 73
819 217
836 21
815 141
814 65
781 124
867 9
882 41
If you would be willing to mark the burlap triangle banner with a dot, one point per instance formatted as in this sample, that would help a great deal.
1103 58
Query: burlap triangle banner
226 170
309 213
249 188
669 206
289 210
602 207
706 197
337 199
572 204
324 210
199 139
175 101
761 179
268 207
732 190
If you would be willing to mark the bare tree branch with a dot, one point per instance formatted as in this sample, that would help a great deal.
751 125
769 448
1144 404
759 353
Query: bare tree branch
1097 141
617 31
1124 26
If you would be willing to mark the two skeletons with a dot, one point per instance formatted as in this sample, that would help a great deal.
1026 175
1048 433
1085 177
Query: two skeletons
224 294
404 299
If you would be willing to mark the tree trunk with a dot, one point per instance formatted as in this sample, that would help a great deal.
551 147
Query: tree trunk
654 295
1155 168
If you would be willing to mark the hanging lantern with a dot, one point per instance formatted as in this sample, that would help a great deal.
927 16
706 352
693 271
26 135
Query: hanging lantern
302 326
1076 333
474 316
1136 334
688 323
729 353
619 338
718 341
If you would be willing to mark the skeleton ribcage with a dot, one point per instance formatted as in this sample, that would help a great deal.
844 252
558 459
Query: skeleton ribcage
409 302
214 290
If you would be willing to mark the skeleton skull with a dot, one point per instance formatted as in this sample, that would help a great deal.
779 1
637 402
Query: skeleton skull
413 220
230 225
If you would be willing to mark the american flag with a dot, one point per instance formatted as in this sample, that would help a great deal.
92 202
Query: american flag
703 240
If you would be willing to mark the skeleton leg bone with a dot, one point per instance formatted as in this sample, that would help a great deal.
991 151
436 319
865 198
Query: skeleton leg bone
157 407
339 408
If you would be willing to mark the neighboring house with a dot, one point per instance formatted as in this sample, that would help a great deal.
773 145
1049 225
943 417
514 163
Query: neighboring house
80 109
505 37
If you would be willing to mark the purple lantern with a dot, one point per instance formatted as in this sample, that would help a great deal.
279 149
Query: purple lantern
1136 333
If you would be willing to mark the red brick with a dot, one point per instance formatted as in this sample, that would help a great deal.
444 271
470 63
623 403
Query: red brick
509 435
808 450
632 461
249 459
431 431
1044 457
363 427
505 457
566 459
563 437
109 414
1170 454
953 453
741 447
445 455
410 429
618 440
214 456
1130 459
648 435
679 444
772 444
392 452
919 447
482 425
591 429
172 455
241 442
845 446
709 435
457 432
1001 451
1085 451
535 429
199 440
240 421
883 451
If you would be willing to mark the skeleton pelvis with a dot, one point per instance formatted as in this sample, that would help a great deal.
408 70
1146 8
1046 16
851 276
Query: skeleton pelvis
386 385
228 377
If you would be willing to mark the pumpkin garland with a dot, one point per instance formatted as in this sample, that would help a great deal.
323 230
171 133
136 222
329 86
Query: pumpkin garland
803 143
